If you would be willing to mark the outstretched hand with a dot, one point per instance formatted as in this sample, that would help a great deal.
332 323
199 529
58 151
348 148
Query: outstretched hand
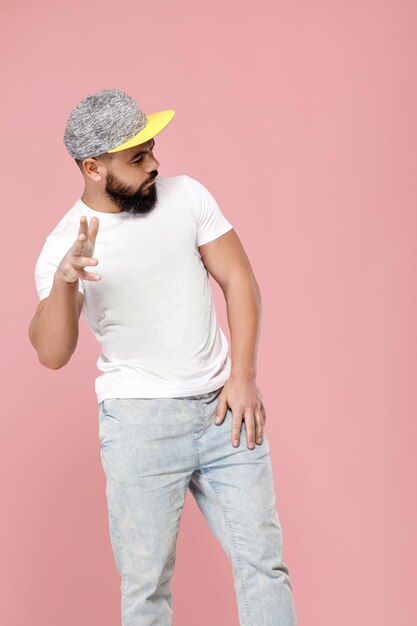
71 267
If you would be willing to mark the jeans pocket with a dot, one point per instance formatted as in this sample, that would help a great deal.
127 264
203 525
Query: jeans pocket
108 420
110 408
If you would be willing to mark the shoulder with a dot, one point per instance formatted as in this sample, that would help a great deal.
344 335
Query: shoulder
196 191
68 224
183 190
61 236
180 181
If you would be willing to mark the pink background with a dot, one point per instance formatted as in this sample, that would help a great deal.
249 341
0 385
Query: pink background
300 117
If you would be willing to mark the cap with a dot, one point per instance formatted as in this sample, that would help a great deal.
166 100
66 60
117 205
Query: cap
109 121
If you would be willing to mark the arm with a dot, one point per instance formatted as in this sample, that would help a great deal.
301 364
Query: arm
53 330
244 312
226 260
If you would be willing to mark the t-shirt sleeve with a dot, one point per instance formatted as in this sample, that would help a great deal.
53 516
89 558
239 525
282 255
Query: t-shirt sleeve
211 223
54 248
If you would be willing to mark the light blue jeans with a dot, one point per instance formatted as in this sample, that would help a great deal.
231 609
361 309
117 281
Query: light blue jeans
152 450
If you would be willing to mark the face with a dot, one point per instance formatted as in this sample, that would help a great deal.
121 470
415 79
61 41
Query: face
127 179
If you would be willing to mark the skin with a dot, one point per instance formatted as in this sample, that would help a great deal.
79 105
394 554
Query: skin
118 184
119 181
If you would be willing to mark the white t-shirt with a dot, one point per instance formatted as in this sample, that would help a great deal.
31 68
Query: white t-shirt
152 310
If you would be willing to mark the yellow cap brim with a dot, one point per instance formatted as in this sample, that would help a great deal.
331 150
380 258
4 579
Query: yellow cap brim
155 123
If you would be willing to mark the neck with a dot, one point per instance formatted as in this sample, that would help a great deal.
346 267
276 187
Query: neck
99 202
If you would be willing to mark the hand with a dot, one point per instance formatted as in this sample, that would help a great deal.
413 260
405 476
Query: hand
80 254
245 401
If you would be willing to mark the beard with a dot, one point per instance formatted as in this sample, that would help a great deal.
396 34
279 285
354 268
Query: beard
139 202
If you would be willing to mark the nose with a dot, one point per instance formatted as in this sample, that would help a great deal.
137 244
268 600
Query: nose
152 164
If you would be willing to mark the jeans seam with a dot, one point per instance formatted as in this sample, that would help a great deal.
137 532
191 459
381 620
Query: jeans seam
193 437
120 543
235 543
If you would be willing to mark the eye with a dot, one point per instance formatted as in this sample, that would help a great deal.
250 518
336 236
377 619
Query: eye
141 156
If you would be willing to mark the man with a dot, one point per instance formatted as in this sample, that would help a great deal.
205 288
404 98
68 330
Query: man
149 243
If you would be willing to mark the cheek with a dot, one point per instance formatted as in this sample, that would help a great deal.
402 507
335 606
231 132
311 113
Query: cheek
134 176
137 173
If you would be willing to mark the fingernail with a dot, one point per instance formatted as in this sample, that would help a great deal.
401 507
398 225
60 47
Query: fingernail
251 445
236 442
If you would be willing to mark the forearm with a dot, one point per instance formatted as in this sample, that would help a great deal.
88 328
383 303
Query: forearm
54 330
244 314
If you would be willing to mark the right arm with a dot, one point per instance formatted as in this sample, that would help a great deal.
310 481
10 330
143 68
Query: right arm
53 330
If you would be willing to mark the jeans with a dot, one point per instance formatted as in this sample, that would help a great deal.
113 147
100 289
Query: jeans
152 450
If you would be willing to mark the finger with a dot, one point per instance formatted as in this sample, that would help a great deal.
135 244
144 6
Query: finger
262 409
83 225
78 245
250 429
83 261
93 229
84 274
236 426
74 270
259 426
221 409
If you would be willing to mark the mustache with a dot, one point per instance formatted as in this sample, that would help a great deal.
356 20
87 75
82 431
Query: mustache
151 178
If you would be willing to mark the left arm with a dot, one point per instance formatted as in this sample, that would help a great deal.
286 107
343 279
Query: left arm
226 260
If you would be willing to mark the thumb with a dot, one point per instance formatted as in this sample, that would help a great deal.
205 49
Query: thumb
78 245
221 409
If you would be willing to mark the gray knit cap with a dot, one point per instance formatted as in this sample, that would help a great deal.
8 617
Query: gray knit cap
102 121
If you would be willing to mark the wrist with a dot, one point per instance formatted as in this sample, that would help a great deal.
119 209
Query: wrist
245 376
60 280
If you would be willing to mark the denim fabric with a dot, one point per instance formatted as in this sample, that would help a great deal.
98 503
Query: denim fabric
152 450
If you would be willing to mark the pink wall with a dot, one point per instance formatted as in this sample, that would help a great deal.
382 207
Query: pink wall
300 117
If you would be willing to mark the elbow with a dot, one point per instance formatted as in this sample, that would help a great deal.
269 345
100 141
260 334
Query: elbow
53 362
46 359
50 363
242 279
